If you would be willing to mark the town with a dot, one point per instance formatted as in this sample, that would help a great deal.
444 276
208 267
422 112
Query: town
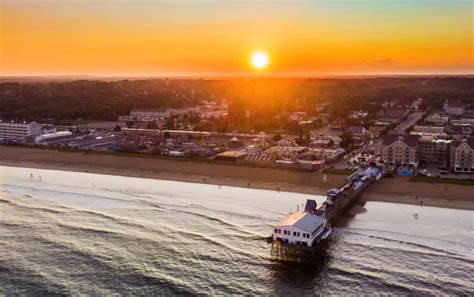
410 138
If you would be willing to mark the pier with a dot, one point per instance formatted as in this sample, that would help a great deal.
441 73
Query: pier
302 236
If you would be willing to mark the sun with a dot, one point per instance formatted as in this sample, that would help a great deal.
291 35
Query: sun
259 60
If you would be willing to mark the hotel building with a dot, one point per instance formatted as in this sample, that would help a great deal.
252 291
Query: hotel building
398 150
19 132
462 156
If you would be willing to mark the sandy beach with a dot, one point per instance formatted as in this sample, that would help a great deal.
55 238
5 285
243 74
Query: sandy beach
398 190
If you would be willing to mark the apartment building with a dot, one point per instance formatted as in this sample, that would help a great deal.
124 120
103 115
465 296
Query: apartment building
400 150
19 132
462 156
431 149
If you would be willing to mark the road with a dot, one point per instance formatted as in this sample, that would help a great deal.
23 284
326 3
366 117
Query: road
410 121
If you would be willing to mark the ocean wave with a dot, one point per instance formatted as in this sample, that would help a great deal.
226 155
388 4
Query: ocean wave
429 245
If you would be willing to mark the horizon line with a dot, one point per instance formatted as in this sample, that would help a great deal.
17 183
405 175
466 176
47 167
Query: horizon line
107 76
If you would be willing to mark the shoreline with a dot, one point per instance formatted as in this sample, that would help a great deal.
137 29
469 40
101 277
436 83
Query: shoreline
394 190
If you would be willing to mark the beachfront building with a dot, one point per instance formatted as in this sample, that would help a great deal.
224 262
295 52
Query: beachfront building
301 227
376 128
56 138
400 150
431 149
454 107
94 142
19 132
462 156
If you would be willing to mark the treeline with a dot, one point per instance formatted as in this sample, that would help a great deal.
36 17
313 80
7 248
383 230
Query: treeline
265 98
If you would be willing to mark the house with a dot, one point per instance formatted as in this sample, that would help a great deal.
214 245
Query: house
358 114
325 141
301 227
437 120
378 127
454 107
298 116
337 124
462 156
357 131
400 150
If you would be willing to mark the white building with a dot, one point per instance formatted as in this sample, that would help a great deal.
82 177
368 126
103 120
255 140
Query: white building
300 228
55 138
357 131
358 114
19 132
400 150
454 107
462 156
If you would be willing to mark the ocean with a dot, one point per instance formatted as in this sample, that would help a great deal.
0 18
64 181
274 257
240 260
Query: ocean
69 233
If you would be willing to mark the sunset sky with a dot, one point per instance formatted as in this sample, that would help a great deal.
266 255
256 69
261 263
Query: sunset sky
214 38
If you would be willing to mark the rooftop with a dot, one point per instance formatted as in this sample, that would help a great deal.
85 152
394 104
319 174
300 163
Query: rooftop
430 129
454 104
356 129
302 220
410 140
470 142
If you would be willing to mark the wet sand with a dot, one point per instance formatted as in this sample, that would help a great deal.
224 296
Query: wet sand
398 190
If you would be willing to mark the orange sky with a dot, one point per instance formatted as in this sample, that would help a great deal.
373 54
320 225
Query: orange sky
217 37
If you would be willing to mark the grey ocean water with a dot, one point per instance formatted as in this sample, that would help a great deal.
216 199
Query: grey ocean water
80 233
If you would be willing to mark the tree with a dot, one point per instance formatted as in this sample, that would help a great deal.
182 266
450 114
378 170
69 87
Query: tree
169 123
130 124
152 125
194 118
346 140
294 127
277 137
